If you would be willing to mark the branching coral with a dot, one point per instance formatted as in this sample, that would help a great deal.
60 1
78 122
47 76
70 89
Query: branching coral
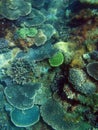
20 71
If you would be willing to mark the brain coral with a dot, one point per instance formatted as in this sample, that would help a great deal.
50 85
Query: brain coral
20 71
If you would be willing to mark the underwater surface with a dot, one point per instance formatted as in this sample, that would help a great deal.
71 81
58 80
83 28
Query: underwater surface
48 64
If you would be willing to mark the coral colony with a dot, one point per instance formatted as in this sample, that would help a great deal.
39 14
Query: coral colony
48 64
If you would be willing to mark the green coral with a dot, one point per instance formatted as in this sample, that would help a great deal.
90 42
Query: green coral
57 59
32 32
26 32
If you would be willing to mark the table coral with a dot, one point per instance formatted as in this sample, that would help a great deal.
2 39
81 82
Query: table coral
25 118
14 9
34 18
21 96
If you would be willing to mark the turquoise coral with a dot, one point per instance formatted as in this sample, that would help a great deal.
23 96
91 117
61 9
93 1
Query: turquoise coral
25 118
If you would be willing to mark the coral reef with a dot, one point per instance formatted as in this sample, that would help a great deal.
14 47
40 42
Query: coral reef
48 64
